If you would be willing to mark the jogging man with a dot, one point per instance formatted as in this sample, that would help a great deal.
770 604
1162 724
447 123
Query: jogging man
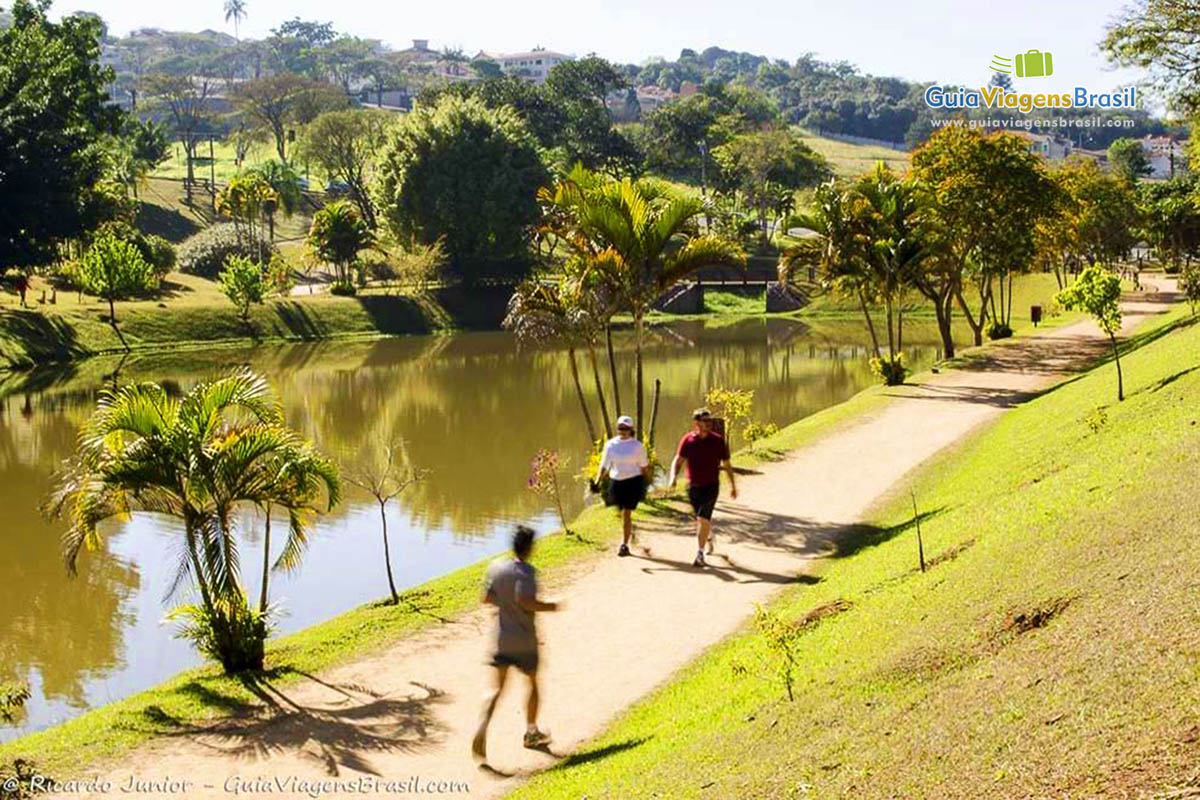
511 586
706 453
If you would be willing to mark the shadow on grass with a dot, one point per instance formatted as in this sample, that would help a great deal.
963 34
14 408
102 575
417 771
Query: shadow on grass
338 733
42 337
598 754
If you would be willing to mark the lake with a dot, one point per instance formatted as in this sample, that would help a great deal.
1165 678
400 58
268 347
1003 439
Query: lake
472 408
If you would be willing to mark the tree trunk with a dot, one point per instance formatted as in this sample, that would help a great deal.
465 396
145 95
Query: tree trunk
637 324
112 320
862 300
942 309
890 335
612 368
654 409
1120 377
1008 310
266 568
608 432
976 325
587 415
387 554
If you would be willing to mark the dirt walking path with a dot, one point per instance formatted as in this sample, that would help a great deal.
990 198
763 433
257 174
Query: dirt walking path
628 624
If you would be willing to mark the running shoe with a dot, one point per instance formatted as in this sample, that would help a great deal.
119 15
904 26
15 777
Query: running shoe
699 562
536 739
624 551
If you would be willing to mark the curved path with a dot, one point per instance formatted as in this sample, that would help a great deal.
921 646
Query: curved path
407 713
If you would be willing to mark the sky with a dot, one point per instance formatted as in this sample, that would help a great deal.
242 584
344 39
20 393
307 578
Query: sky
930 40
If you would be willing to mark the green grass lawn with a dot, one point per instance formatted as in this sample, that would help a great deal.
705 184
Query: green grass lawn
1051 649
851 160
224 165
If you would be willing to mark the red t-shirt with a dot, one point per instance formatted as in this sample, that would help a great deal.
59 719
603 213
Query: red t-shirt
704 455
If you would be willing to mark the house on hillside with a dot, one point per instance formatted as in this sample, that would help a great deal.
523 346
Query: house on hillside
533 66
1048 146
1167 156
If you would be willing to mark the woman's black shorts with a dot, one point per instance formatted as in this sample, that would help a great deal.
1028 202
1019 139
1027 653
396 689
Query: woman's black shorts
628 493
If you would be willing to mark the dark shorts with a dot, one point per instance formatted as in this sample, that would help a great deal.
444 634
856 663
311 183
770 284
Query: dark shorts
704 499
526 662
628 493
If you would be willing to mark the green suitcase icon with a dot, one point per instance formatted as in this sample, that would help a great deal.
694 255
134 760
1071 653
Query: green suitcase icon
1034 64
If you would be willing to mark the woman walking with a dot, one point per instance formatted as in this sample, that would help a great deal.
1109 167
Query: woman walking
628 469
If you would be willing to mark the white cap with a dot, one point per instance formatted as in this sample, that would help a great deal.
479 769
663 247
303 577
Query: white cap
625 421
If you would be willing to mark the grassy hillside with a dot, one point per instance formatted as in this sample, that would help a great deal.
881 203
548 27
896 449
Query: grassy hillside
849 160
1051 650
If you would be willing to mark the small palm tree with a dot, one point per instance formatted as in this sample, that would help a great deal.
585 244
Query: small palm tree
635 239
285 188
235 10
196 458
338 233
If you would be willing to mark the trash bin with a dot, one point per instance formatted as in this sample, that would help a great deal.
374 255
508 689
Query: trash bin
1035 314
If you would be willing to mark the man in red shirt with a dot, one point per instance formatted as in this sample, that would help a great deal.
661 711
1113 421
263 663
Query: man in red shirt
706 453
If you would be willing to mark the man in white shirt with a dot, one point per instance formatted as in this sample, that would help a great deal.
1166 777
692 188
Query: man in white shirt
628 469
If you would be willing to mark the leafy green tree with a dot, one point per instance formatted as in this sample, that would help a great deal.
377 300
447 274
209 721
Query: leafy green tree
1098 292
345 145
632 240
242 281
338 233
1128 160
112 269
760 163
986 195
1171 220
1163 39
1102 212
470 174
197 458
486 69
187 97
54 110
277 100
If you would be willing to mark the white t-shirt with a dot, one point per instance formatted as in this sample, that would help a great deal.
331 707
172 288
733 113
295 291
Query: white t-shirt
623 458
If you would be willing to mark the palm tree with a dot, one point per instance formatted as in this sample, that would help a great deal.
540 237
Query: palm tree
338 232
870 243
197 459
634 239
540 312
285 188
235 10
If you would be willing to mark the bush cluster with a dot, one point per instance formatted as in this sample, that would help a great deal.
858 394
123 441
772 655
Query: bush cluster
205 253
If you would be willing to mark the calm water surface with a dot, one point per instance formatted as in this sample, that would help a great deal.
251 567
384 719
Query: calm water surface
472 408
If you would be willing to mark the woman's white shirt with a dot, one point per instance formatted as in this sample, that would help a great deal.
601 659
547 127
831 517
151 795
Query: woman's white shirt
624 458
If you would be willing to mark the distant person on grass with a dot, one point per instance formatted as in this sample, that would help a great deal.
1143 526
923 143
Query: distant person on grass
706 453
511 586
628 469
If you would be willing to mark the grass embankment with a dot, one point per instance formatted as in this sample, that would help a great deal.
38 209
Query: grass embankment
1051 649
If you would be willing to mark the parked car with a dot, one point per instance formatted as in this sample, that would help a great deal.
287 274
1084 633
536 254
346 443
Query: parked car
303 184
337 189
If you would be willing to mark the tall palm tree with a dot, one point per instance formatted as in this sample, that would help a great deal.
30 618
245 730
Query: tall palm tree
197 459
235 10
635 239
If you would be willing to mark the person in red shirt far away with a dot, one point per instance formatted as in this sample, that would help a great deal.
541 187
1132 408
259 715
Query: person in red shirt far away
706 453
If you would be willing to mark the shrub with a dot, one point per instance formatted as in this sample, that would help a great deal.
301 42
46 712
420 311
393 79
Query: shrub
113 268
999 330
230 632
205 253
155 250
343 289
243 283
891 370
279 276
12 699
756 430
1189 284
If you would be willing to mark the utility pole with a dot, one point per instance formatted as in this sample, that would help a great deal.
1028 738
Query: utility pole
702 144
